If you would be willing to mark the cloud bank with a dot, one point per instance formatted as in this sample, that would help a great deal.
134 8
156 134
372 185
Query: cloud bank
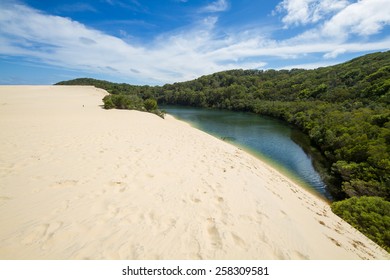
335 28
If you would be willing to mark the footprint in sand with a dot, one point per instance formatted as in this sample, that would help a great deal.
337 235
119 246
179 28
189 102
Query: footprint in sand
238 241
63 206
116 183
41 233
119 185
335 241
260 216
195 200
148 218
137 251
213 234
4 199
296 255
64 184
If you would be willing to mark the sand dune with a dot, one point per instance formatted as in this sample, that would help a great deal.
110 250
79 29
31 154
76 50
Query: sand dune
81 182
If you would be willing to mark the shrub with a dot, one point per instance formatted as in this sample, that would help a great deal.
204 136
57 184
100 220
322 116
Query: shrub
131 102
121 101
108 103
150 104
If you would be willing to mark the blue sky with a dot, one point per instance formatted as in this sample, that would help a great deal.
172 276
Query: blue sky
164 41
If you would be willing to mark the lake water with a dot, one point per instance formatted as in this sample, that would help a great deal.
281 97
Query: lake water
269 139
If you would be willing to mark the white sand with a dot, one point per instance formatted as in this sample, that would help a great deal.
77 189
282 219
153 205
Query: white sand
81 182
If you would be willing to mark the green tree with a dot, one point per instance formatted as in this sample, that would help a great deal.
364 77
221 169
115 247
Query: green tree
370 215
150 104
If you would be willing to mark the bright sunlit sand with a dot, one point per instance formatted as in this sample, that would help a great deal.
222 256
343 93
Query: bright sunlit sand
81 182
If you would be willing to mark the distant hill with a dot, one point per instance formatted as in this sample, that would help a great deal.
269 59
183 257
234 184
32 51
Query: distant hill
363 78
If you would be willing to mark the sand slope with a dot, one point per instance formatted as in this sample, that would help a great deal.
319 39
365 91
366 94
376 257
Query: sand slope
80 182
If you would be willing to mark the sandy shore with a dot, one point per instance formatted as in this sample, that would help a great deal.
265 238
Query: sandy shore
81 182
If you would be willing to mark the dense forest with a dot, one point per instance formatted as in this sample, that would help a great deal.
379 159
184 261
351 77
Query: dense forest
344 109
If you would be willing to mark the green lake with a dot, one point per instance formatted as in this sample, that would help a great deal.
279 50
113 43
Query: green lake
269 139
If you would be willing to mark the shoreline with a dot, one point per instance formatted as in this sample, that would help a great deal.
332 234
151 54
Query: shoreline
81 182
268 161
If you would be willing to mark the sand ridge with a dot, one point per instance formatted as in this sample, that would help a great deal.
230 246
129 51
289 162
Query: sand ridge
81 182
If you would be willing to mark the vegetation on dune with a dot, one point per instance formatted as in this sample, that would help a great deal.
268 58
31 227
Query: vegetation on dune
370 215
132 102
121 96
150 104
344 109
121 101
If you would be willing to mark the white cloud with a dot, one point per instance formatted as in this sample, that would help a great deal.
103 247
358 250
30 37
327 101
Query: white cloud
363 18
337 18
335 22
176 56
59 41
308 11
308 65
217 6
335 53
297 11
